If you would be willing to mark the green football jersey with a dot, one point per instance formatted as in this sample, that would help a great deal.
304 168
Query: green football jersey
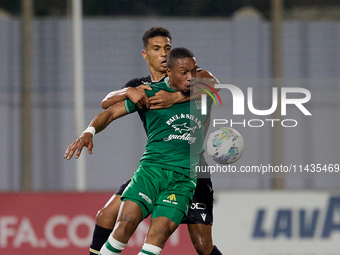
175 135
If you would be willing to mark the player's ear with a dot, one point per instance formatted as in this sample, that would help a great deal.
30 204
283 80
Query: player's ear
168 71
144 55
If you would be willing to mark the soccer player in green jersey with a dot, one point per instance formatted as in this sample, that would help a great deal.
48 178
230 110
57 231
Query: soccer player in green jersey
162 185
156 46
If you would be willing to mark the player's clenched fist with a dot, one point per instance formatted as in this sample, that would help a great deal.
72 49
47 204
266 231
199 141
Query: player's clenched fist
138 96
85 140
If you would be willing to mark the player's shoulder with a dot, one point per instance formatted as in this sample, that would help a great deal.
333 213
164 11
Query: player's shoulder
200 69
138 81
163 84
165 77
202 73
157 86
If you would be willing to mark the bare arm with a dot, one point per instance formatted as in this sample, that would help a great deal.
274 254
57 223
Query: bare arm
114 97
100 122
164 99
136 94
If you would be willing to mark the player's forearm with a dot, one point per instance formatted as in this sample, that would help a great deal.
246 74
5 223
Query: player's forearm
180 98
196 95
103 119
114 97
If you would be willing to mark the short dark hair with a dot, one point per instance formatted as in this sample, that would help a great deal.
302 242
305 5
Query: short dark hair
177 53
153 32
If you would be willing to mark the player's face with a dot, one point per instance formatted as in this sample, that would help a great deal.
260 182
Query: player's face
156 52
181 74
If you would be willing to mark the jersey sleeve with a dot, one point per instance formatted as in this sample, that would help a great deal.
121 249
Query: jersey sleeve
130 106
132 83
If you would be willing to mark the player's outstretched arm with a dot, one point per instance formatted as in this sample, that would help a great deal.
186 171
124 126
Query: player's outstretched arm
164 99
136 94
99 123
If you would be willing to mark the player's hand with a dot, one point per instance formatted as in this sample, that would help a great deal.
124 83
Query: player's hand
162 99
85 140
138 96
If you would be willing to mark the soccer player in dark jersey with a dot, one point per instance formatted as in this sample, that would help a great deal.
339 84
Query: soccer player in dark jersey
163 184
157 45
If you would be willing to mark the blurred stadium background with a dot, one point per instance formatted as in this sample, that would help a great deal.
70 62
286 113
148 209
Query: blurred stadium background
237 39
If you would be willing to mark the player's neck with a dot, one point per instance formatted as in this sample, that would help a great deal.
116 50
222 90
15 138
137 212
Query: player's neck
156 76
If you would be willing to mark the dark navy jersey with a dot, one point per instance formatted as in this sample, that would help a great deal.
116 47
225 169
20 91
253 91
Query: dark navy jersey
138 81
